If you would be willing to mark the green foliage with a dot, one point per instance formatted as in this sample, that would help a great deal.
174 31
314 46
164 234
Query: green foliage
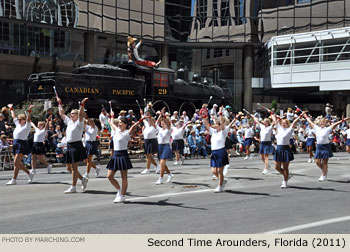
38 112
274 105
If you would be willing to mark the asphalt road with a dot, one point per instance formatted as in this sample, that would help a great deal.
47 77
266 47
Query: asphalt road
252 202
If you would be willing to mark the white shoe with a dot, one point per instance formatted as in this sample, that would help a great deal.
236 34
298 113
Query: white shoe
250 156
119 199
71 189
226 169
214 177
159 181
224 183
265 171
312 160
49 168
246 158
322 178
32 171
182 160
97 171
84 182
145 171
237 153
218 189
11 182
309 161
157 169
284 184
176 163
86 175
30 177
170 177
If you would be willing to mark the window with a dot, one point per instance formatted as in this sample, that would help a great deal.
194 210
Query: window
303 1
160 80
240 12
208 53
202 6
215 14
225 13
217 53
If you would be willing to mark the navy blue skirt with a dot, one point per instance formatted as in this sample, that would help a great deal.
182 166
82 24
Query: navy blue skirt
347 142
283 153
91 147
164 151
219 158
323 151
75 152
150 146
228 144
178 145
21 147
248 141
38 148
120 161
266 147
310 141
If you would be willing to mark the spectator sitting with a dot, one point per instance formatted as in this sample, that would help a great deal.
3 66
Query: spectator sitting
191 140
202 144
4 144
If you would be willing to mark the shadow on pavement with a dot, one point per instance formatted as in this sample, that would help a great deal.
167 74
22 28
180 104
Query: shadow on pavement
315 189
191 184
163 203
250 193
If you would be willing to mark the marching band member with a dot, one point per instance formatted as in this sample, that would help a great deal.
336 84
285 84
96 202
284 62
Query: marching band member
284 154
323 149
120 159
38 149
20 143
75 149
178 144
219 156
150 132
164 151
91 130
310 142
265 141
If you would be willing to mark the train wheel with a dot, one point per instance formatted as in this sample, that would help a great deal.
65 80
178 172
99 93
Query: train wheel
158 105
189 107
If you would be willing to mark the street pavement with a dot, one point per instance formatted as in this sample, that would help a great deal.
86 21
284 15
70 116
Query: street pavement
252 203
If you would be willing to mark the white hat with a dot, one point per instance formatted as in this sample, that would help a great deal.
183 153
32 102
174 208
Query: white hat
215 105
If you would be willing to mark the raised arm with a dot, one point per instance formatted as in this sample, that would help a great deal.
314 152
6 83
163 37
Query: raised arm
221 118
339 122
110 121
29 113
13 115
233 121
297 119
81 109
160 116
60 109
134 126
312 125
33 125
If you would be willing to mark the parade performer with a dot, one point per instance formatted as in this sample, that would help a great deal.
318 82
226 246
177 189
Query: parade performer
164 151
265 141
75 149
323 148
178 144
38 149
150 132
133 54
20 143
91 130
219 156
347 143
248 139
310 142
284 154
120 159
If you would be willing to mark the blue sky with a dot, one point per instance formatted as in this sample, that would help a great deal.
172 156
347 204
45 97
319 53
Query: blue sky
192 10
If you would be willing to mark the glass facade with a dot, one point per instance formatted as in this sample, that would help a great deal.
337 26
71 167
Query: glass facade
188 27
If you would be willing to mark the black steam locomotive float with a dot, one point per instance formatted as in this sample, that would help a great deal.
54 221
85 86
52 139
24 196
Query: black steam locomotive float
125 84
